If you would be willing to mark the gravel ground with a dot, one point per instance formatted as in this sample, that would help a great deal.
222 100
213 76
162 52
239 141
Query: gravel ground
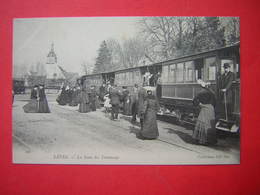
66 136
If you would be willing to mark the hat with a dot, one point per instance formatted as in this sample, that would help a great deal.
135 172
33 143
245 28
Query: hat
149 92
202 83
226 65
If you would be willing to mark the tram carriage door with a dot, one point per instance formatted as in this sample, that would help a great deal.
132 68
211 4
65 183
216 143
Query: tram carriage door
198 69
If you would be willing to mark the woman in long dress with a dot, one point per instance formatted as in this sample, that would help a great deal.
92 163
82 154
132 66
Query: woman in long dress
150 108
61 98
84 106
92 98
204 132
126 102
43 103
32 105
74 101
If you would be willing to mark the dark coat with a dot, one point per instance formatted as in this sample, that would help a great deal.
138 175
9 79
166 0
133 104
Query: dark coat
74 98
134 101
150 127
34 94
114 96
102 92
226 83
61 99
43 103
141 98
126 102
92 99
84 102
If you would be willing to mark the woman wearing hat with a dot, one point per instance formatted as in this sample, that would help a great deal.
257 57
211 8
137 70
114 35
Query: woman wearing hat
126 101
43 103
84 101
204 132
32 105
150 108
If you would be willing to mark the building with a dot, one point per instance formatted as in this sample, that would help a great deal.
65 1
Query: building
52 70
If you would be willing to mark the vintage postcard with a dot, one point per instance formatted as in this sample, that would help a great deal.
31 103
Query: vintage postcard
126 90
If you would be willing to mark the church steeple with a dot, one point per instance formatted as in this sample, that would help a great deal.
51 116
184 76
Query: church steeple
52 47
51 57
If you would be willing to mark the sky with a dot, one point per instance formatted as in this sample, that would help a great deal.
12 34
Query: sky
75 39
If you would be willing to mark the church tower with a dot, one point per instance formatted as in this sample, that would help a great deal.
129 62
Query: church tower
51 64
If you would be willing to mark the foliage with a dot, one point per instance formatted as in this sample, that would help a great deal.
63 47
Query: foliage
162 38
103 61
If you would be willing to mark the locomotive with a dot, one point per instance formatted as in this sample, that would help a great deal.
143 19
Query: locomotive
175 84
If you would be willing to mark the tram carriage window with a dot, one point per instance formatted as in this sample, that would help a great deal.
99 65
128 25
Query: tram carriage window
126 78
198 64
120 78
165 72
210 68
172 72
179 72
189 69
237 71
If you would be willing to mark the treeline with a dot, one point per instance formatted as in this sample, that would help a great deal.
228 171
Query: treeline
162 38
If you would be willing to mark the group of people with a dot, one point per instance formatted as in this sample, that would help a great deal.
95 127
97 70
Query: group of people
38 102
85 98
68 95
142 103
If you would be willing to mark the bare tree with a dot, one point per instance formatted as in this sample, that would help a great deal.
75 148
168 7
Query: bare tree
134 51
164 34
117 55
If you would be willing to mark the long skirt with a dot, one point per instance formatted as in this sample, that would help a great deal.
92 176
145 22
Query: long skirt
61 100
31 106
43 106
84 108
150 128
205 132
127 108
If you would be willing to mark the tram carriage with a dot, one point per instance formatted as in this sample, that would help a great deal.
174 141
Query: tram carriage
178 83
18 86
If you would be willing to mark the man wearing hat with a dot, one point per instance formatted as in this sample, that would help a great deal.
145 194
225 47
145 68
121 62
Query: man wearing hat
226 80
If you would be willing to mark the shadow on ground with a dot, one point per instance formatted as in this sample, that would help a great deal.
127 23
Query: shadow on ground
223 144
184 136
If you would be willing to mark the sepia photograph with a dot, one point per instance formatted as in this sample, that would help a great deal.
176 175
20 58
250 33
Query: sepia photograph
126 90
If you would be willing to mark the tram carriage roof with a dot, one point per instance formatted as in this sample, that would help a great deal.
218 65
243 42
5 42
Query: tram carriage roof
201 53
165 61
